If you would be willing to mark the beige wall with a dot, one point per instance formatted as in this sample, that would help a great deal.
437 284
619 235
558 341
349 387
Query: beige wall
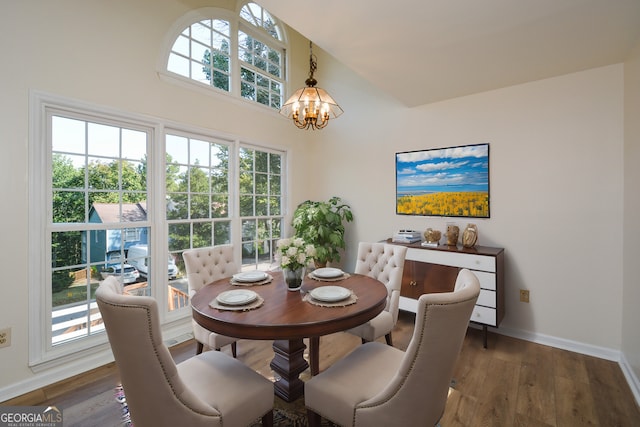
556 162
556 190
631 295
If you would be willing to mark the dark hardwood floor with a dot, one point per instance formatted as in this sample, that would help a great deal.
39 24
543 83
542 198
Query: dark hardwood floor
511 383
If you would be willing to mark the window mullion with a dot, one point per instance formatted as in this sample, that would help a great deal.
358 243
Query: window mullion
235 61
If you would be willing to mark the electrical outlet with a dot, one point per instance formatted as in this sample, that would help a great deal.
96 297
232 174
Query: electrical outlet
524 295
5 337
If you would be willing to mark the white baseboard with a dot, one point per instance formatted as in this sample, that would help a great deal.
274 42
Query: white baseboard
632 379
561 343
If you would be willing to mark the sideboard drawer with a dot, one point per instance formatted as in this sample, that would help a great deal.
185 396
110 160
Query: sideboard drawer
484 315
462 260
487 280
487 298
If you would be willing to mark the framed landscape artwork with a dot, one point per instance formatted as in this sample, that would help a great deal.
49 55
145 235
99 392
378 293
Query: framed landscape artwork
450 182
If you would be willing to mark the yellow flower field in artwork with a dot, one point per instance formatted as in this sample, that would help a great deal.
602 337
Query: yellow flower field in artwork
468 203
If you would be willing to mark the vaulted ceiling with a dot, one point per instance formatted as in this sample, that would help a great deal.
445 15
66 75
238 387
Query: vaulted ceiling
423 51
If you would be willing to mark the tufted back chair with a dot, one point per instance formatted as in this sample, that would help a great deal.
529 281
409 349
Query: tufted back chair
159 392
204 266
385 263
409 388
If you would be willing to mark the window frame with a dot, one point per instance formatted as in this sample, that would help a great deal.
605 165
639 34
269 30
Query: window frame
236 24
256 216
84 351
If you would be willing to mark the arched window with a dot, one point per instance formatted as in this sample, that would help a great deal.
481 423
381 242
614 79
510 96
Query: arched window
242 54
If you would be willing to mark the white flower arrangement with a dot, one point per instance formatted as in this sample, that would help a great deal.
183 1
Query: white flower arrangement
294 253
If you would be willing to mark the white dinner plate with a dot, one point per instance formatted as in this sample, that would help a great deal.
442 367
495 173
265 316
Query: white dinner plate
328 273
237 297
250 276
330 293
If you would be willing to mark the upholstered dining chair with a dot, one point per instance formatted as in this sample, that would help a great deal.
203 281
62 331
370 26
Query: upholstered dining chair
203 266
380 385
210 389
386 263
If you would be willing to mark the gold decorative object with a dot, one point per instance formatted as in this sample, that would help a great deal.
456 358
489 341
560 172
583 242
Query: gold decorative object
470 236
432 236
452 235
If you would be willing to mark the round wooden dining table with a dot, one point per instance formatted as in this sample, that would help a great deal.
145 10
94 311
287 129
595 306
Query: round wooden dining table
287 318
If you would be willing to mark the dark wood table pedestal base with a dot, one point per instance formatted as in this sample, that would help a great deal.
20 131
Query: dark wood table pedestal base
288 363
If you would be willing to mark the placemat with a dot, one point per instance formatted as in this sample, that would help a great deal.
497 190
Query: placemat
329 279
257 303
345 302
235 282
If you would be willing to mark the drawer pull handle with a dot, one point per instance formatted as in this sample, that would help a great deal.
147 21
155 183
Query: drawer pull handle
413 283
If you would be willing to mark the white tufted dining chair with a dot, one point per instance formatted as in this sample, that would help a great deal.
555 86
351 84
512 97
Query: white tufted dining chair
210 389
385 263
203 266
380 385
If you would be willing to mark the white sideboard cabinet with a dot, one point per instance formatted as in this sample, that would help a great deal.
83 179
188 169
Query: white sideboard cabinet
434 269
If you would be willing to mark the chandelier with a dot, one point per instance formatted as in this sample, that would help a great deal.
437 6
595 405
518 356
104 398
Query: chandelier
311 107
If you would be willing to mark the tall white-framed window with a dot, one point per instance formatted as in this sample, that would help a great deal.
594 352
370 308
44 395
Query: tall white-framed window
261 205
88 188
109 188
210 184
243 54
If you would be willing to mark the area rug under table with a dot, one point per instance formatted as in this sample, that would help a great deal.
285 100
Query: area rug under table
285 414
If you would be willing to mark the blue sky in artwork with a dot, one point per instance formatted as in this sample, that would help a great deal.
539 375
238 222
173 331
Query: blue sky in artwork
443 170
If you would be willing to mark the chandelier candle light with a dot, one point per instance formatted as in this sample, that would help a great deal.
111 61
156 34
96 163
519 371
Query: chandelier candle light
311 107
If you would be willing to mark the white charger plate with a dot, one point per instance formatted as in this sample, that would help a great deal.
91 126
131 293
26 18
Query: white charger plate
330 293
237 297
328 273
250 276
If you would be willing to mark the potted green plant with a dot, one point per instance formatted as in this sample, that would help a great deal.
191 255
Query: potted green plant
321 224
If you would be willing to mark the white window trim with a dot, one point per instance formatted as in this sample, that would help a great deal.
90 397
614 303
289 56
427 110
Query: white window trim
42 354
94 350
235 23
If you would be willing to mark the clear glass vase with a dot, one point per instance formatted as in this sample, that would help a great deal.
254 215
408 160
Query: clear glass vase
293 277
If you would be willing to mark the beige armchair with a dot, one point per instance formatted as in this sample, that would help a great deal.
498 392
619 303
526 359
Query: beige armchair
211 389
380 385
203 266
386 263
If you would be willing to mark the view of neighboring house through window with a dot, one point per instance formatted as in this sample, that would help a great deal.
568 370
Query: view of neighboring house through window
98 195
94 176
